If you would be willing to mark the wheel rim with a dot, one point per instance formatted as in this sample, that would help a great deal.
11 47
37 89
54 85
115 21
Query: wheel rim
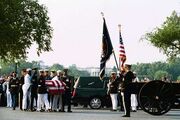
95 103
156 97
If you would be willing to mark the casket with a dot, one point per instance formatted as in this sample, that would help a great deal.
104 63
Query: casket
55 87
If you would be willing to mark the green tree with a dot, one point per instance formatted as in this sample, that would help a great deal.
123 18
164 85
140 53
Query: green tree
74 71
143 70
22 24
56 67
178 78
114 69
7 68
174 68
159 74
167 37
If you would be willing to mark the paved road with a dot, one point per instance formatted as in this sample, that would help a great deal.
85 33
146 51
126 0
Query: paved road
83 114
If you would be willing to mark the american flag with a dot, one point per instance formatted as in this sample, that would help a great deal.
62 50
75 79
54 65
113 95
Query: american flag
122 54
55 87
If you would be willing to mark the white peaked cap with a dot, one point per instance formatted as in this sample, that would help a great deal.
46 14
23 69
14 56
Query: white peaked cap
41 70
113 72
28 69
59 71
46 70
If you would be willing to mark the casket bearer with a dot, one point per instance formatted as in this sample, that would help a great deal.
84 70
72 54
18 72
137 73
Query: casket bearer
42 93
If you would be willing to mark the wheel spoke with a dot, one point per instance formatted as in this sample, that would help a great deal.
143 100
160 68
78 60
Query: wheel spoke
95 103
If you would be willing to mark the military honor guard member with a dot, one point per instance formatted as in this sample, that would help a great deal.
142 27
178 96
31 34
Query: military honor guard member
26 89
14 87
67 95
113 90
128 77
21 82
42 93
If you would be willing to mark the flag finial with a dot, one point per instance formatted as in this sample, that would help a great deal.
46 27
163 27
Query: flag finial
119 27
102 14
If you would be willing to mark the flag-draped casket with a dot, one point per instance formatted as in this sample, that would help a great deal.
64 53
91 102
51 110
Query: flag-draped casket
55 86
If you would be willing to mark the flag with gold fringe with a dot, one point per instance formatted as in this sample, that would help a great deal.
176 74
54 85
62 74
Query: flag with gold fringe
107 50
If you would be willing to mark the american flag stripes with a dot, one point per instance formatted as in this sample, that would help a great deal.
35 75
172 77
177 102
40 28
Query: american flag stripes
55 86
122 54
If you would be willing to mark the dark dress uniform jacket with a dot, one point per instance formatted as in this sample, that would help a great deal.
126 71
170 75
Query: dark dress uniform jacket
126 83
114 86
21 82
42 88
14 85
67 80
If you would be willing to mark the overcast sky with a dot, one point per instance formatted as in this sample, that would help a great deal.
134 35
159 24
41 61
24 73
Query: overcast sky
78 28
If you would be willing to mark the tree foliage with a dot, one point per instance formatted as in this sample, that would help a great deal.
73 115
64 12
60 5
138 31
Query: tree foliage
10 67
56 67
178 78
22 24
160 74
74 71
167 37
7 68
154 70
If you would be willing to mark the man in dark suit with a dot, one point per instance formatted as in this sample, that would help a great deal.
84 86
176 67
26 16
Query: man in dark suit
67 96
128 77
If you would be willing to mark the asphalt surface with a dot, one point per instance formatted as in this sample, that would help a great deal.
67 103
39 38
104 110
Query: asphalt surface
83 114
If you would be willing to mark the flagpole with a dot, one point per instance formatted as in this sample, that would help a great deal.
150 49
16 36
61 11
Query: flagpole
113 48
115 60
119 26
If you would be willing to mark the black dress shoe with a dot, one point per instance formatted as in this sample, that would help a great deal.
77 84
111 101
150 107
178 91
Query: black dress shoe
113 110
61 111
69 111
133 110
32 110
49 110
126 116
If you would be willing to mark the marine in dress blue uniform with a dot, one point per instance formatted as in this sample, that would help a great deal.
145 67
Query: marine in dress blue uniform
14 87
128 77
